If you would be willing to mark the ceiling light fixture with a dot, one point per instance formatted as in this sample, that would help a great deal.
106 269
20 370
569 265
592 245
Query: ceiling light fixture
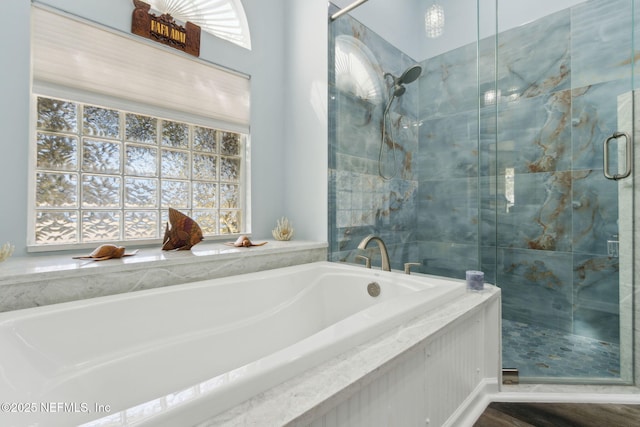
434 21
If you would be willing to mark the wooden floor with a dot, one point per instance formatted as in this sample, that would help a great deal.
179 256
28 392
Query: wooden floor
502 414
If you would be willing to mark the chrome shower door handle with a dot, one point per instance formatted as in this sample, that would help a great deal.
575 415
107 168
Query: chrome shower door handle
628 156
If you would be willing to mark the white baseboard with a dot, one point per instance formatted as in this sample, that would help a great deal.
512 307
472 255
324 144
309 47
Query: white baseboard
474 405
569 393
489 391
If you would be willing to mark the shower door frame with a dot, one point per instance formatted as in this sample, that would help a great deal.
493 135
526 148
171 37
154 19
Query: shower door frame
629 235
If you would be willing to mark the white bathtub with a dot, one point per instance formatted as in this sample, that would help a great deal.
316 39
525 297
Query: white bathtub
191 351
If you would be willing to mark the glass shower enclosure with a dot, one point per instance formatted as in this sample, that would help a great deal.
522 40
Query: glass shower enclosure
512 151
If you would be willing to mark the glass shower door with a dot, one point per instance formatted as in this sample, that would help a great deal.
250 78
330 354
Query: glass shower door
560 243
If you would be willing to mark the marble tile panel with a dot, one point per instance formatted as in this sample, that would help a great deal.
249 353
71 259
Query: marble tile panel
448 147
596 282
487 158
399 151
447 259
536 287
597 324
595 212
449 83
358 127
601 39
636 43
535 134
406 105
335 139
540 215
492 203
361 165
594 118
596 297
487 262
487 49
448 210
535 59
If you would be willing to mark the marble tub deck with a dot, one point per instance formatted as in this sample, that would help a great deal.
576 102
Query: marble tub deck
35 281
301 400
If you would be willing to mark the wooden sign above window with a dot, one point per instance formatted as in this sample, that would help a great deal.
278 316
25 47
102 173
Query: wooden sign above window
165 30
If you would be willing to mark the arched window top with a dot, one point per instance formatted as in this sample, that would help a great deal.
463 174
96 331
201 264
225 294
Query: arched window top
355 68
222 18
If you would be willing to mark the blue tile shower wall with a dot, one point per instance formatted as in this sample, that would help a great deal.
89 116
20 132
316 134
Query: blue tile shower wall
360 201
511 181
448 166
556 107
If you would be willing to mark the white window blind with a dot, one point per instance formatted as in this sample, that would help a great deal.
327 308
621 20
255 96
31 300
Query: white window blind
86 58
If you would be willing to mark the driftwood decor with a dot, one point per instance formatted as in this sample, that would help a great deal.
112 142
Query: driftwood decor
165 30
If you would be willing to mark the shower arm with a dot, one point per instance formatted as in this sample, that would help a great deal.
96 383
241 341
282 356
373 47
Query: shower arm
347 9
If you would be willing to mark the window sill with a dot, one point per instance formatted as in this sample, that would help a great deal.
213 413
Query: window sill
35 281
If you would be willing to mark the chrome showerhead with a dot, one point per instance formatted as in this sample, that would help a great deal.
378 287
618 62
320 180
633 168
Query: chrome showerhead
410 75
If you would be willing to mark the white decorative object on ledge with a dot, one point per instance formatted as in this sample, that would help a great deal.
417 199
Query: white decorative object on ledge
283 230
5 251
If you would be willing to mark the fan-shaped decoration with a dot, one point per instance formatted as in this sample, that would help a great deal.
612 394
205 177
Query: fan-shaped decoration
356 69
222 18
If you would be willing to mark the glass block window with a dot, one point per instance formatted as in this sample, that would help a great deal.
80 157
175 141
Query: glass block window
106 175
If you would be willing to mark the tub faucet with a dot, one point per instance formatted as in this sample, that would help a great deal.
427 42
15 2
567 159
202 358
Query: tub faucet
383 249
